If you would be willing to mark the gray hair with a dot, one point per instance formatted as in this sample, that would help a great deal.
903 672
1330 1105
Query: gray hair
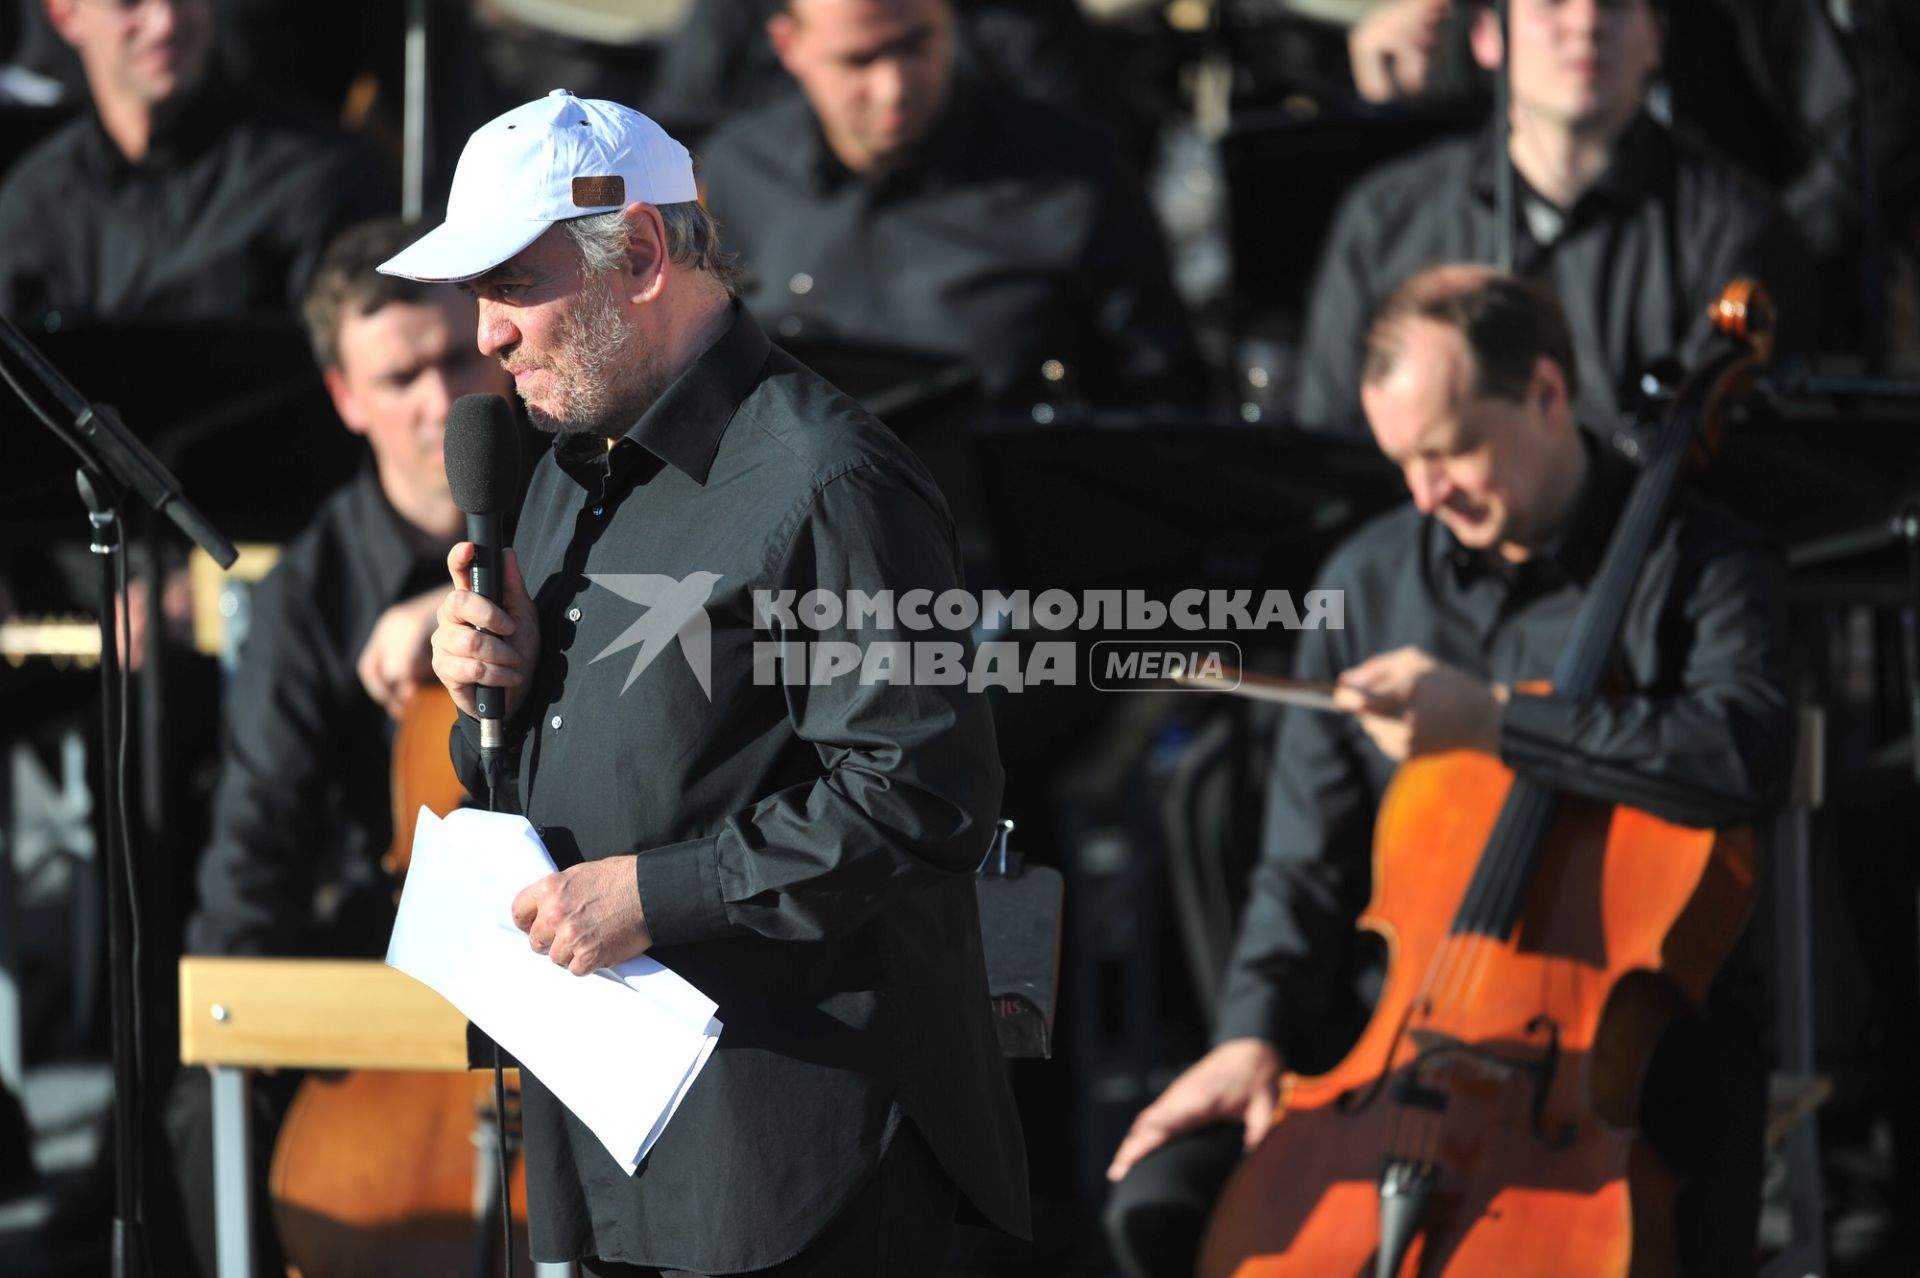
693 241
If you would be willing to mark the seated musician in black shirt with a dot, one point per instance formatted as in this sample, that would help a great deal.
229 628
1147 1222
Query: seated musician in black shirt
336 649
175 196
1635 229
897 203
1471 589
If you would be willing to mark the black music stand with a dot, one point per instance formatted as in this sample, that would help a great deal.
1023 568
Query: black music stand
1195 503
1285 179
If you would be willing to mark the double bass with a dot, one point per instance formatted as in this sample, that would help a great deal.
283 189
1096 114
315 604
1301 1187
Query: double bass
1538 944
382 1173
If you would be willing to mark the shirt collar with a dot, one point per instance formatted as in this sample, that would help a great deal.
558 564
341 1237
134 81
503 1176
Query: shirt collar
683 427
209 110
1624 180
392 549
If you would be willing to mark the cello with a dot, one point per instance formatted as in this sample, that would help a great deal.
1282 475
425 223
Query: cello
390 1172
1538 944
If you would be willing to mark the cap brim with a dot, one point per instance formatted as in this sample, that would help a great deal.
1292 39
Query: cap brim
452 252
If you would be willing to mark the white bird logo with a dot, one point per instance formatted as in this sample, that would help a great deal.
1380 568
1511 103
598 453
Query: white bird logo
674 608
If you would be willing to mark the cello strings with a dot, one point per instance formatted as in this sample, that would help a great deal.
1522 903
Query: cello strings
1461 958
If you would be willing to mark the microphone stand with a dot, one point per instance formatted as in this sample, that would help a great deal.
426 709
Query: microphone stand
112 462
1503 177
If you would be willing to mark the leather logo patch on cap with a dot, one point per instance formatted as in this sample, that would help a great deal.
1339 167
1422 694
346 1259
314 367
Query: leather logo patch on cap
593 192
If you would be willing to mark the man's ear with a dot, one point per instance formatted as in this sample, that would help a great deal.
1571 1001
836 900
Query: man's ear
1487 40
646 252
60 13
345 403
782 31
1548 391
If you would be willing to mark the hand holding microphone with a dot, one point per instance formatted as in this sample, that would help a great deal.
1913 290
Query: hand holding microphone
487 640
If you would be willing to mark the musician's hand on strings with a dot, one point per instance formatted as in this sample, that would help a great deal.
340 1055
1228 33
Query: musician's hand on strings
1238 1081
398 656
463 657
585 917
1392 46
1412 705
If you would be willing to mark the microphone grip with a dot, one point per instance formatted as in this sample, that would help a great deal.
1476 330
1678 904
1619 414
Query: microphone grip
484 579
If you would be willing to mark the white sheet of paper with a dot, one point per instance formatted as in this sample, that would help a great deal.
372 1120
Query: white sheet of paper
620 1047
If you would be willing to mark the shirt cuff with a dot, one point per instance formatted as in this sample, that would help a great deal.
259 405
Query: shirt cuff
1248 1012
1534 730
680 891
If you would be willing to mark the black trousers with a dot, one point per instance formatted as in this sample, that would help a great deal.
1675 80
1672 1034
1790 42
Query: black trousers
1703 1110
900 1224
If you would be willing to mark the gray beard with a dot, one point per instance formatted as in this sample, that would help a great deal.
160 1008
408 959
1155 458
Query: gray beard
609 378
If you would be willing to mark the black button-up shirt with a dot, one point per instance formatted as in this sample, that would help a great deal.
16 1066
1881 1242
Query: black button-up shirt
302 812
1636 262
226 215
803 852
1695 727
1014 238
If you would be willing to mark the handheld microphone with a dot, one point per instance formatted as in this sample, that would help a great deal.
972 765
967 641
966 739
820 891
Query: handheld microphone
483 470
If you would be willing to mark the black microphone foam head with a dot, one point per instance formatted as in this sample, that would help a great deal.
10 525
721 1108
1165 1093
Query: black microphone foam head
483 454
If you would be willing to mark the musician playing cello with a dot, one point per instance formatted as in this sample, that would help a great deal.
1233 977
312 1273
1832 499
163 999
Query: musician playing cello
1452 601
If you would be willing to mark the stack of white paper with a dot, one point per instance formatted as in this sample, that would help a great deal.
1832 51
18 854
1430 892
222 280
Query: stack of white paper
619 1047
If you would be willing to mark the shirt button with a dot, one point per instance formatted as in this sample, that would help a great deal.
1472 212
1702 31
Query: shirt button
801 283
556 723
573 614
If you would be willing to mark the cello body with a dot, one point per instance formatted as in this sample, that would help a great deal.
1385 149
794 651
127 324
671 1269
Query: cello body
381 1174
1529 1054
388 1173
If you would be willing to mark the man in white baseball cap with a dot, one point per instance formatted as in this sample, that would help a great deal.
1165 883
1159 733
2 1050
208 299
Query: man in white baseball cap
802 855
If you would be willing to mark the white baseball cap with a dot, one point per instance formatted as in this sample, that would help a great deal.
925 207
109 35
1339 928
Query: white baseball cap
555 158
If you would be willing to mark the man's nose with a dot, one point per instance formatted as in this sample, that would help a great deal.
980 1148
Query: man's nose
1428 484
160 18
1581 17
886 83
496 332
436 395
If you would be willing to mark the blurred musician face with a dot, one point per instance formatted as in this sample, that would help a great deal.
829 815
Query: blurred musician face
141 52
400 369
878 72
1582 64
1500 475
